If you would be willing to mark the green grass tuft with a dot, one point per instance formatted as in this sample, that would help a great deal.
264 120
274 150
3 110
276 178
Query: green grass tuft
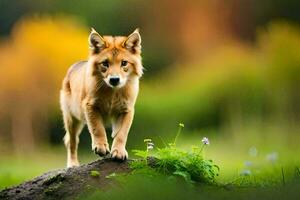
172 161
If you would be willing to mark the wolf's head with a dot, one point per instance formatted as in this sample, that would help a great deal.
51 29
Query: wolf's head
116 59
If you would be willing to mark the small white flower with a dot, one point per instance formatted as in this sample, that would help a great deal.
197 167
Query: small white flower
272 157
245 172
253 152
248 163
150 145
205 141
147 140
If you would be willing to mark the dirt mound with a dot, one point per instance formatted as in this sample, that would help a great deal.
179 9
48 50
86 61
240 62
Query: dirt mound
67 183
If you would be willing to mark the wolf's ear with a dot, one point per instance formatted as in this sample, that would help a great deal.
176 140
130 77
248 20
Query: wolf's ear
133 42
96 42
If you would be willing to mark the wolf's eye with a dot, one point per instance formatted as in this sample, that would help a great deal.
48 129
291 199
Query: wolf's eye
124 63
105 63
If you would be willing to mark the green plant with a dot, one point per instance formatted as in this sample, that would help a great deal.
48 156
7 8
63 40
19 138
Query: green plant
94 173
172 161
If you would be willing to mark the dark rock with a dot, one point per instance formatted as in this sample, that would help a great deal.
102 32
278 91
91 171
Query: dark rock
67 183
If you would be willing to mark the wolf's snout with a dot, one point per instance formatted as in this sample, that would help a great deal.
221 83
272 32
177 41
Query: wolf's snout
114 81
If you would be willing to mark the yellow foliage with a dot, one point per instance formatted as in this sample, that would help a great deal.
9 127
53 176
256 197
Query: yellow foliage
37 55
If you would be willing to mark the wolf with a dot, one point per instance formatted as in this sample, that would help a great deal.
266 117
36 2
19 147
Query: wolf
103 89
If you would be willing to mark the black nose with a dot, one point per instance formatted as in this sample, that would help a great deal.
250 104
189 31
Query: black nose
114 81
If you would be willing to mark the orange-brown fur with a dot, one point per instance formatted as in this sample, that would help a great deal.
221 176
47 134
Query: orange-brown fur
88 97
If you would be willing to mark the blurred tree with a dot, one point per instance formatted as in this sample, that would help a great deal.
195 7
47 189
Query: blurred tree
33 63
168 28
13 10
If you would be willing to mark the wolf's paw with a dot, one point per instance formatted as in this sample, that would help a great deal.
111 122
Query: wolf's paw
101 149
72 163
119 153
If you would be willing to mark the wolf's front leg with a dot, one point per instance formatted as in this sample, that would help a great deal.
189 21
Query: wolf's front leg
97 130
122 126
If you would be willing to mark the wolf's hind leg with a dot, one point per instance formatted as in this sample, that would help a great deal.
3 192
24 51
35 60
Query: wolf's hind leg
73 129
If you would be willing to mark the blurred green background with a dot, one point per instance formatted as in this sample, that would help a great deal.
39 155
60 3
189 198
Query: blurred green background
229 71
